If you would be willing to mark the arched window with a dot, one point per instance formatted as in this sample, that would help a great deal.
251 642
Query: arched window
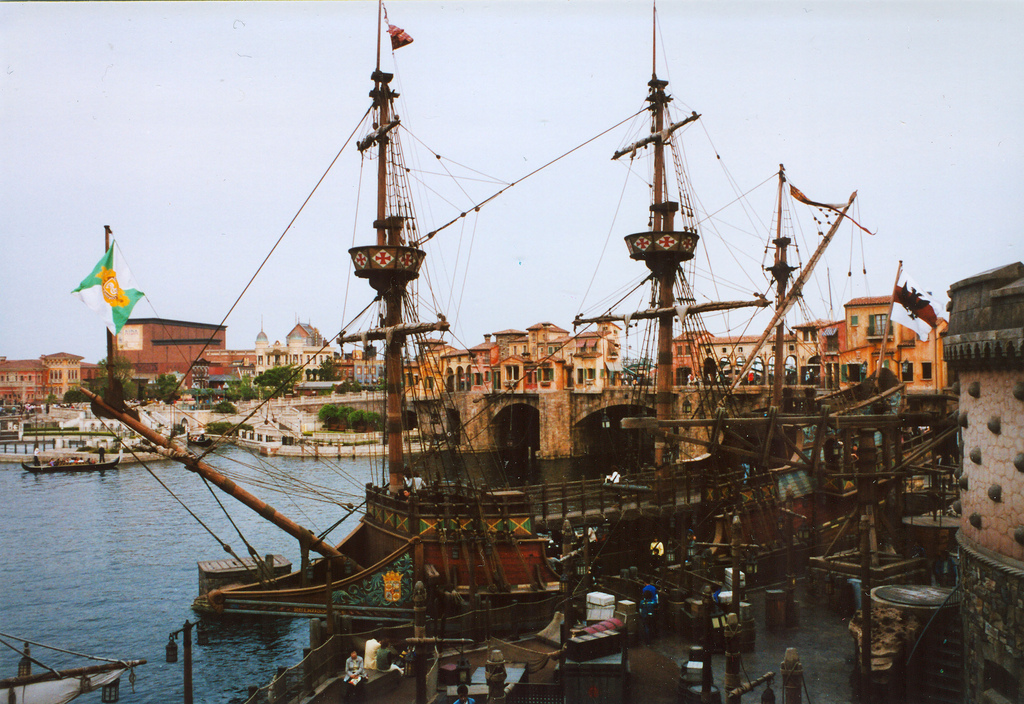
725 367
757 368
790 377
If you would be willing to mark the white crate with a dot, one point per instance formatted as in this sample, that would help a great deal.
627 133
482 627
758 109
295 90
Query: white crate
728 578
600 599
600 613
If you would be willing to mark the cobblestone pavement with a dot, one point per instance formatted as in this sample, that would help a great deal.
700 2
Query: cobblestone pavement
823 643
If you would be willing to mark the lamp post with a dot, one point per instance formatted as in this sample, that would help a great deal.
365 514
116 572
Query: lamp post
172 655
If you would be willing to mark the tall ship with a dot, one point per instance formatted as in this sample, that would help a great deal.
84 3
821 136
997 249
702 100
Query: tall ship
717 475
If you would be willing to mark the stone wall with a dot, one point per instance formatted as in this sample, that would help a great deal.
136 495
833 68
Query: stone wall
992 488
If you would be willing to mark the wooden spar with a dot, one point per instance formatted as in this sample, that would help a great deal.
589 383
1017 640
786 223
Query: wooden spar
836 421
794 292
660 137
392 331
888 321
759 302
68 674
305 536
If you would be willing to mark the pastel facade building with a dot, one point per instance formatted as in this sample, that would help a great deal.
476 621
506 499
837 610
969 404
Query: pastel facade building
983 348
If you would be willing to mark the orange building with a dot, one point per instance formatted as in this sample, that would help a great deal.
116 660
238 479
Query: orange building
917 363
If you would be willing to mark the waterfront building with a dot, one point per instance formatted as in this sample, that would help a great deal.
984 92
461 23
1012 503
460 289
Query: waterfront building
155 346
984 348
230 364
596 359
730 353
22 380
304 345
689 352
914 362
35 380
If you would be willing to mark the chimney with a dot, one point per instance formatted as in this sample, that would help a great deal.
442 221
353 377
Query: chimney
487 337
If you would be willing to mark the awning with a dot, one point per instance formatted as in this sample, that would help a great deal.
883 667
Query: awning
613 366
830 331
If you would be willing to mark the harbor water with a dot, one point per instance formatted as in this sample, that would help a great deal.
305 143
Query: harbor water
105 564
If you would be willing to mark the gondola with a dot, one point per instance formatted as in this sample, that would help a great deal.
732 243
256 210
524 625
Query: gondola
70 467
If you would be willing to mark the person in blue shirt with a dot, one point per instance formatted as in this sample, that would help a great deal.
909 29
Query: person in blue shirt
648 612
464 698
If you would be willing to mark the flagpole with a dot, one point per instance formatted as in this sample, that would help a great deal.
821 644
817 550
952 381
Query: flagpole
888 319
110 335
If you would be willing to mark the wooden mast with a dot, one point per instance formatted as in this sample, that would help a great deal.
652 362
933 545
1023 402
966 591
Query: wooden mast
780 271
389 265
662 248
663 212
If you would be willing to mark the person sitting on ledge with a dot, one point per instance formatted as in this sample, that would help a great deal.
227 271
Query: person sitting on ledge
355 677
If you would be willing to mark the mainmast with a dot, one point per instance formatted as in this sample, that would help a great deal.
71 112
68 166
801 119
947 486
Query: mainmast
663 248
389 265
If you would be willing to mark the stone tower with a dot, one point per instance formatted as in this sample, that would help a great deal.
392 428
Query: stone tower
983 347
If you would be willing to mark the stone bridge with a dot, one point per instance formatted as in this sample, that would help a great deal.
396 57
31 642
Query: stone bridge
534 424
566 423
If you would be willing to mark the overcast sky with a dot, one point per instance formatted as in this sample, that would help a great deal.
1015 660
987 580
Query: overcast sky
197 130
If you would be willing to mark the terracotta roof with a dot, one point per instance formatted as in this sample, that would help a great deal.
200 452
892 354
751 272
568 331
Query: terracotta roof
22 364
868 301
63 355
510 332
549 326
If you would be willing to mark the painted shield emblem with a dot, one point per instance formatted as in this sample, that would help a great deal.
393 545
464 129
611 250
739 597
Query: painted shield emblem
392 586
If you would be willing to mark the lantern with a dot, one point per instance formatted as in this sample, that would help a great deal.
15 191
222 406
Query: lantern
25 664
463 670
172 649
110 692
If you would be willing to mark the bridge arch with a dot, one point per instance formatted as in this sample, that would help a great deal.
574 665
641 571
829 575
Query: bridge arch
600 436
516 430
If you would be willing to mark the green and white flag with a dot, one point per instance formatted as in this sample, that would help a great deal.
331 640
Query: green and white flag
110 290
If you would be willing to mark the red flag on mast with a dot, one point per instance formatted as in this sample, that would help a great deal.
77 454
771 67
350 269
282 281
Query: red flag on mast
399 37
914 309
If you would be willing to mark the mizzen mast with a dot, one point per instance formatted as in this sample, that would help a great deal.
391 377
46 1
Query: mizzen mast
780 271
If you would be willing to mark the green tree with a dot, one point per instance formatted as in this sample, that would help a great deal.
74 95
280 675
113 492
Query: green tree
328 370
123 372
221 427
335 417
75 395
225 407
278 381
349 386
241 389
166 388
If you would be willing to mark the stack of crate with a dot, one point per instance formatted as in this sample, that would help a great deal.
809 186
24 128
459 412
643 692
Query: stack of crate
600 607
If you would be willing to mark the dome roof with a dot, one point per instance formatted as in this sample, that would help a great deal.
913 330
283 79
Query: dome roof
262 337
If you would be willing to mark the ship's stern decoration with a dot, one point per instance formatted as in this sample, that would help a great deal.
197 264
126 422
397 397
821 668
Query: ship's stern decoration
392 587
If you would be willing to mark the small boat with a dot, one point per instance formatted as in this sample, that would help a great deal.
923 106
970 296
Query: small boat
200 440
48 468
